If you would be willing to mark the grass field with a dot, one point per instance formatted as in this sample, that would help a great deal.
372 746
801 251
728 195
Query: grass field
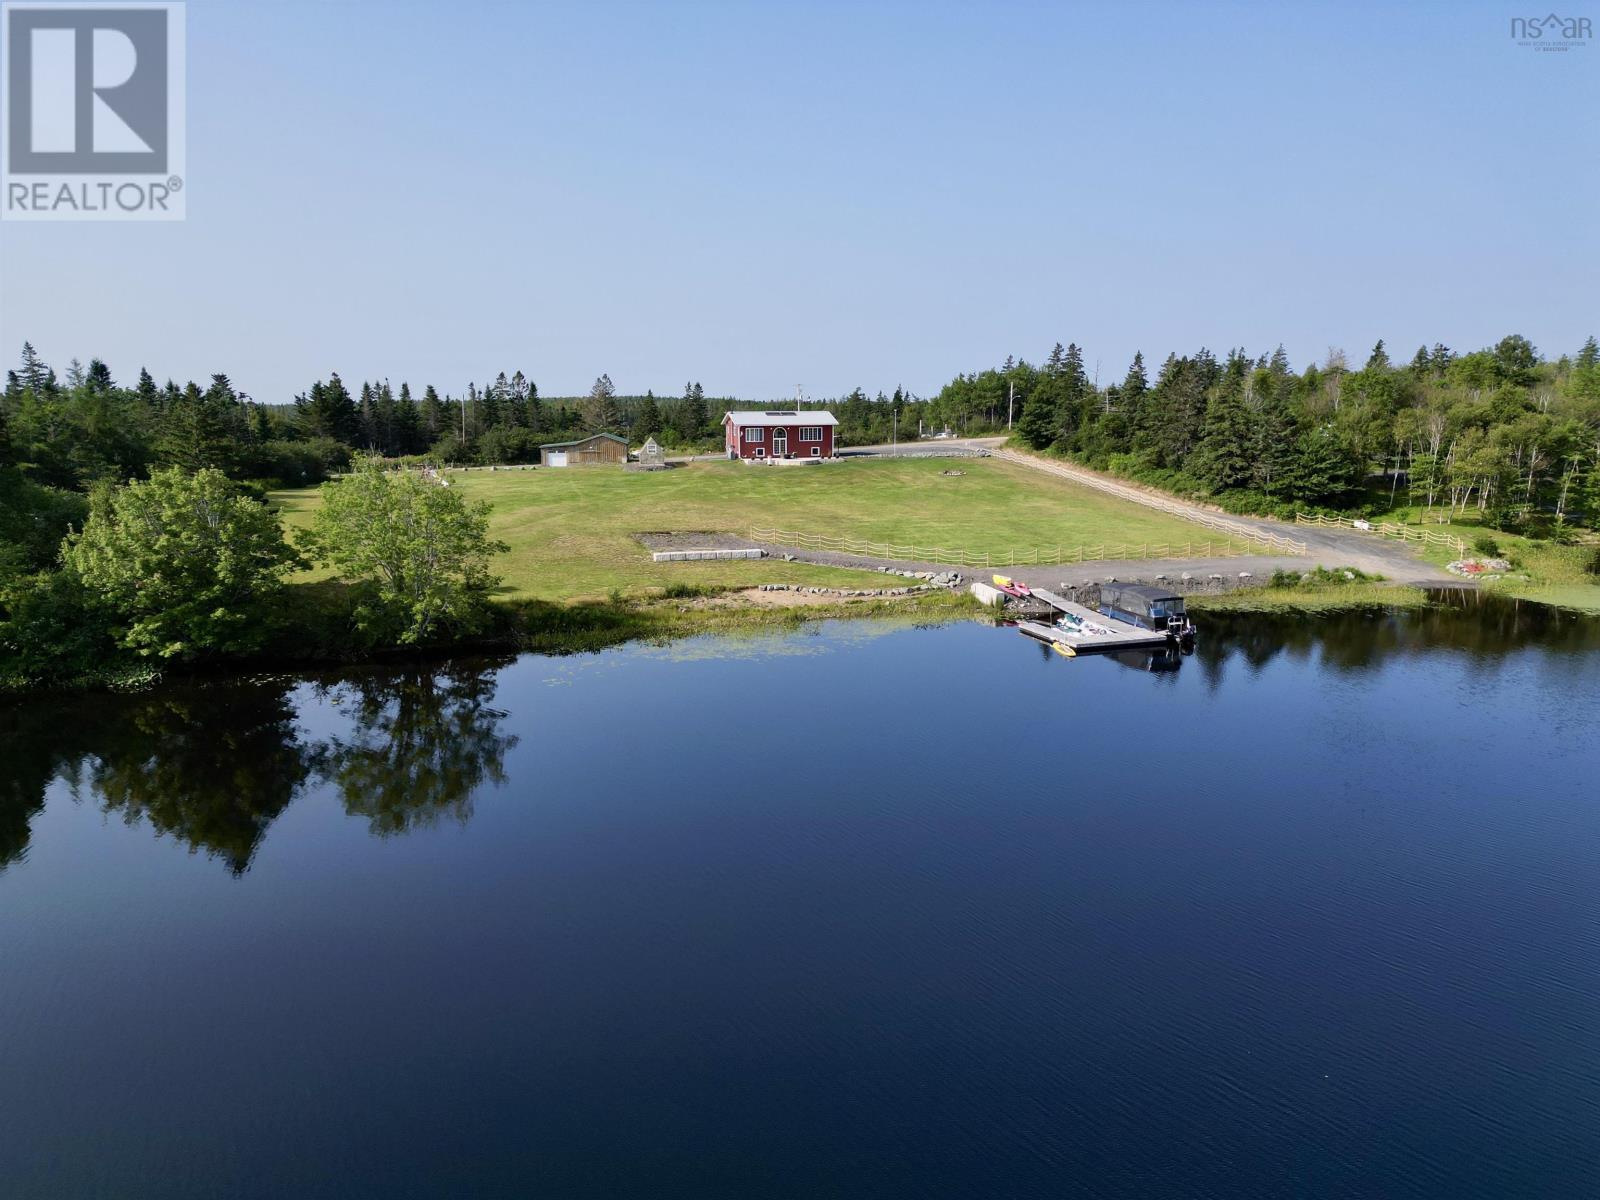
571 531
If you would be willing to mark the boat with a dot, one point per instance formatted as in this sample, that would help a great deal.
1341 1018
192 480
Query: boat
1147 607
1065 649
1011 587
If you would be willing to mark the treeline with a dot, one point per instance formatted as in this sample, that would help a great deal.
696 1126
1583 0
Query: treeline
1499 432
73 430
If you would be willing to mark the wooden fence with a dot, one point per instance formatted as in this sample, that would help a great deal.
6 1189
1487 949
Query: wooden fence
1406 533
1033 556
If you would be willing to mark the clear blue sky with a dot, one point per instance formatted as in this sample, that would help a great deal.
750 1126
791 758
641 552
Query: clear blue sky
760 195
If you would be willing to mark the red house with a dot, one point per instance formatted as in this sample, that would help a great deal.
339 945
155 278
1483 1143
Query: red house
778 433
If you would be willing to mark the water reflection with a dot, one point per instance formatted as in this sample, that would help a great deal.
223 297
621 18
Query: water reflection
1477 624
420 745
214 765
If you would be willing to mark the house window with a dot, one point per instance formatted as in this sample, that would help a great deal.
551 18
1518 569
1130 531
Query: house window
816 452
755 434
811 433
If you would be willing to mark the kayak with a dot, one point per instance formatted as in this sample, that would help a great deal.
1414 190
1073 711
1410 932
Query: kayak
1064 649
1011 587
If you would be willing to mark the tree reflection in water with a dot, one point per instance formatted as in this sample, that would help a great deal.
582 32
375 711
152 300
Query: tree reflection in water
213 765
421 743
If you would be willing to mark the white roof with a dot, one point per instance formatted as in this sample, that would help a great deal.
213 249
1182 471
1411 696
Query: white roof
781 416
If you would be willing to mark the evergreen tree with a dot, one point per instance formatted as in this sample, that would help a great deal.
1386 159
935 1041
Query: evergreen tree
1274 436
431 415
99 377
1037 425
1223 459
407 427
383 412
329 412
692 413
368 418
1421 365
195 433
147 392
1378 360
600 411
36 376
648 422
1589 357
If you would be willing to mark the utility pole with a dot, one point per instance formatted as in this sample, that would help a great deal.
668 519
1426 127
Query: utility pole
1011 403
894 431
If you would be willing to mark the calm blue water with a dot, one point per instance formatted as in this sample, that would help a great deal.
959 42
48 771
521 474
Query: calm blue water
921 912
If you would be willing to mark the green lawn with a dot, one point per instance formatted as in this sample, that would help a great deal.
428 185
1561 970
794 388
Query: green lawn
570 531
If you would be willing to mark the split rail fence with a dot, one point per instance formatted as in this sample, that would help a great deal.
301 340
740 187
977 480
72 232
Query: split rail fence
1406 533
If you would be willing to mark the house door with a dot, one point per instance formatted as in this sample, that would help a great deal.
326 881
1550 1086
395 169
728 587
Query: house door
780 443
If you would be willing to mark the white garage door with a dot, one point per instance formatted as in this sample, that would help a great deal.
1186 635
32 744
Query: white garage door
556 458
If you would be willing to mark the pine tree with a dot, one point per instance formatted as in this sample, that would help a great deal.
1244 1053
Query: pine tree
195 431
1589 357
1420 364
431 415
692 413
146 390
600 411
1037 425
1223 459
35 375
1274 436
368 418
329 412
1378 360
648 422
407 430
383 413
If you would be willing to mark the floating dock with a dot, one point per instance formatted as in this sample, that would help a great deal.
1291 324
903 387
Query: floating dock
1086 631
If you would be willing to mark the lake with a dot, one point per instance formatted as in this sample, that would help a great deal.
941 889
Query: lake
859 911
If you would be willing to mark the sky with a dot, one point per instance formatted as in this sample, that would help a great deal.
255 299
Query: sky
760 196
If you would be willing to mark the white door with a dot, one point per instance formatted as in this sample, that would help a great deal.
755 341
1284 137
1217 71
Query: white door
556 458
780 442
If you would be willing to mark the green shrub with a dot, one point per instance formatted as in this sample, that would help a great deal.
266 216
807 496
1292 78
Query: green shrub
417 553
186 565
1486 545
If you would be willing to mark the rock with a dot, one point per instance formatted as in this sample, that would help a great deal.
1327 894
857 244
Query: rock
788 558
1244 575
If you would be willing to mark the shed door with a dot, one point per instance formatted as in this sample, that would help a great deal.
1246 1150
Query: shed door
556 458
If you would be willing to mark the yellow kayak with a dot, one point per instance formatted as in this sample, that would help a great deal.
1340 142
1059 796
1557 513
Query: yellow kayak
1063 649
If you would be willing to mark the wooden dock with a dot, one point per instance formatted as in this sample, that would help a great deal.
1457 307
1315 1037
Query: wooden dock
1097 633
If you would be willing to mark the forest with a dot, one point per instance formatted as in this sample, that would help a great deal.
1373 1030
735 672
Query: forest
1499 433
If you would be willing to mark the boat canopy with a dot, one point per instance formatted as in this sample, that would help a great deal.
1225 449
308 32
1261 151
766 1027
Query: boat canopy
1143 599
